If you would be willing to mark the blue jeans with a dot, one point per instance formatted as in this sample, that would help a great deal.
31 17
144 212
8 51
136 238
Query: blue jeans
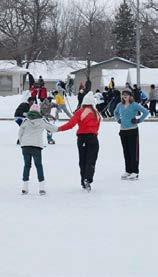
35 152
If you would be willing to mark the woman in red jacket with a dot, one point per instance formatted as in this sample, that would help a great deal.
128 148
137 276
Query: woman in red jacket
88 120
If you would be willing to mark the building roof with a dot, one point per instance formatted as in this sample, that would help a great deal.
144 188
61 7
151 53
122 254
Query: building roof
54 70
107 61
10 66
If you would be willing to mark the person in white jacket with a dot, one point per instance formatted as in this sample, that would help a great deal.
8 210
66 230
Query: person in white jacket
31 141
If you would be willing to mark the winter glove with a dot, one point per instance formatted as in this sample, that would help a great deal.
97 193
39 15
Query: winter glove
119 121
134 120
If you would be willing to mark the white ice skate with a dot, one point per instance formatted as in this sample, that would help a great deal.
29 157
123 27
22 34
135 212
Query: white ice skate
25 188
42 190
133 177
125 176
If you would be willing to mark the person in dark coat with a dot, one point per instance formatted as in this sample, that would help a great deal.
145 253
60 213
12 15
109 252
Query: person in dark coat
40 82
88 85
31 80
22 110
136 93
80 97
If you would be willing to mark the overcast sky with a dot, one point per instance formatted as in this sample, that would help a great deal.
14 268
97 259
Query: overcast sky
111 4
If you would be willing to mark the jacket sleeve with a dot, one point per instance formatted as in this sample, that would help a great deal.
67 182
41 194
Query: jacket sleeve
116 113
49 127
143 111
21 130
71 123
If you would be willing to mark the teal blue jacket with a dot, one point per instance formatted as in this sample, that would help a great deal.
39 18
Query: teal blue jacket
124 114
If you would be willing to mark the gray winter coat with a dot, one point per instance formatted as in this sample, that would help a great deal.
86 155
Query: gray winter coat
31 131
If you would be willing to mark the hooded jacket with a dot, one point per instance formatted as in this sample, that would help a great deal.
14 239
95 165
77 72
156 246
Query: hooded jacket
31 130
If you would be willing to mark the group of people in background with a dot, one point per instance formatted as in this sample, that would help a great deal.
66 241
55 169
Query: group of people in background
107 100
129 108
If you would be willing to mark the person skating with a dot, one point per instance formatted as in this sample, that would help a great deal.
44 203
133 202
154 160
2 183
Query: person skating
31 141
40 82
60 105
100 104
21 111
45 110
42 93
125 114
88 120
80 97
34 93
111 85
152 100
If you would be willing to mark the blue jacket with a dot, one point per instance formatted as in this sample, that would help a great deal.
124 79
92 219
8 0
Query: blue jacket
124 114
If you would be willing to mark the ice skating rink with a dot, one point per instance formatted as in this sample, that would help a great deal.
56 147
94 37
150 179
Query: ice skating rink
110 232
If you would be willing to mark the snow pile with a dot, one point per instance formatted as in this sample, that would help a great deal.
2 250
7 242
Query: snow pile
55 70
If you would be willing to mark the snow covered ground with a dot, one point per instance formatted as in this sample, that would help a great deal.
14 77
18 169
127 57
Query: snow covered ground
110 232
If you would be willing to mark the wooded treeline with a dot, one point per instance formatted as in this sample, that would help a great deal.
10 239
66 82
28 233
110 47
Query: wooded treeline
48 29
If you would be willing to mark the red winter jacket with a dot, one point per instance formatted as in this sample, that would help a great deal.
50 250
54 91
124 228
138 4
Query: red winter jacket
34 92
87 122
42 94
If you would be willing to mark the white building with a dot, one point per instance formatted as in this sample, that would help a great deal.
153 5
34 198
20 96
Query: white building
148 76
120 77
11 78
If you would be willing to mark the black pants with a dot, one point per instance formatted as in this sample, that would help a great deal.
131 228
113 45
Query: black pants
88 147
152 107
28 153
130 144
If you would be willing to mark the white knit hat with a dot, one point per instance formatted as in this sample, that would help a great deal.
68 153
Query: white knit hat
89 99
35 108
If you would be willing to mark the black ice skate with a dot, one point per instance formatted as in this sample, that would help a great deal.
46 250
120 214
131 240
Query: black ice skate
24 191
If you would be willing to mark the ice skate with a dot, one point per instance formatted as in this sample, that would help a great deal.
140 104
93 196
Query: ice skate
125 176
51 141
42 190
133 176
25 188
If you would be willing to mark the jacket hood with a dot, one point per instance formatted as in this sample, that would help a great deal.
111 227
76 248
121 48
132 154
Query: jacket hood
33 115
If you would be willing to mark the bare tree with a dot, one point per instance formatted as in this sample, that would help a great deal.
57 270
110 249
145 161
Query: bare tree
22 25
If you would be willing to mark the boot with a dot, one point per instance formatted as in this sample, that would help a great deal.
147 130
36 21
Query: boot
25 188
42 188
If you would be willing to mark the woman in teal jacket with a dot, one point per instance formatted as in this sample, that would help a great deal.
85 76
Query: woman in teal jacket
126 115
